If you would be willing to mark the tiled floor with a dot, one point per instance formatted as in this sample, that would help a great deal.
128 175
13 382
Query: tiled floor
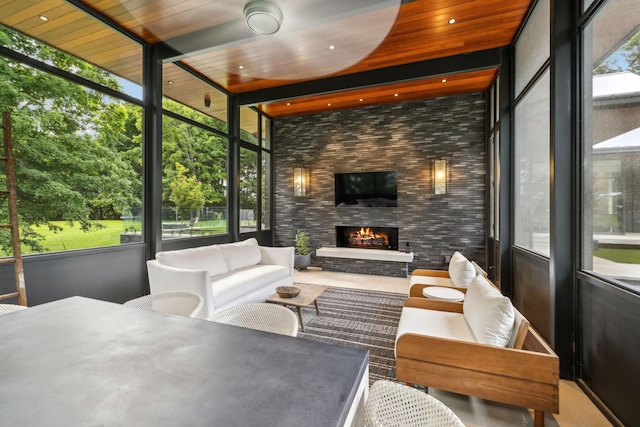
576 410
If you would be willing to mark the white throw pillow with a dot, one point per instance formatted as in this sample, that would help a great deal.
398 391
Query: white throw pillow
488 313
461 271
242 254
207 258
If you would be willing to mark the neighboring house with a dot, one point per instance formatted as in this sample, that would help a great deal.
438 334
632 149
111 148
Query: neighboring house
616 151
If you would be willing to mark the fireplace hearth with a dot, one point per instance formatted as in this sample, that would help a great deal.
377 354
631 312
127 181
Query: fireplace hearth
367 237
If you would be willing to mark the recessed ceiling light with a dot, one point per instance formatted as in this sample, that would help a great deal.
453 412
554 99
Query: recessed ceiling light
361 99
444 80
170 82
241 67
44 18
452 21
332 47
288 103
395 94
329 105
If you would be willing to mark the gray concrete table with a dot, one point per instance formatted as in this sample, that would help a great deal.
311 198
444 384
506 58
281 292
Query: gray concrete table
79 362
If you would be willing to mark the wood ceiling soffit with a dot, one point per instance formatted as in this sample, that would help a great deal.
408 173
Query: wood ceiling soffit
472 82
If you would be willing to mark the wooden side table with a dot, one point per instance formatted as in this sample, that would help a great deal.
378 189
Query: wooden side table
308 294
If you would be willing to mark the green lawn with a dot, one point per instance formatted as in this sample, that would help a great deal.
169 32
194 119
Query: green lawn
74 238
626 256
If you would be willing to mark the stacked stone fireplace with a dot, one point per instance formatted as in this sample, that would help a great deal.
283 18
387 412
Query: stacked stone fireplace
366 250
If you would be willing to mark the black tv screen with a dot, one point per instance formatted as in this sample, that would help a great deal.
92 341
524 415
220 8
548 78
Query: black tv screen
367 189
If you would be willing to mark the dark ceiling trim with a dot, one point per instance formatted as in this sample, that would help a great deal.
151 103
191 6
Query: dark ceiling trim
474 61
58 72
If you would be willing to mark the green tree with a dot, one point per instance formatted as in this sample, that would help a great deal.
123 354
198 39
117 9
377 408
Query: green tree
73 147
625 58
186 192
249 180
202 152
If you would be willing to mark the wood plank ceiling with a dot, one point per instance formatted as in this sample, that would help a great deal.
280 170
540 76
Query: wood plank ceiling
364 40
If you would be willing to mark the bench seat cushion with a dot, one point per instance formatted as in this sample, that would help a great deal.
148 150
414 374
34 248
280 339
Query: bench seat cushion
439 324
236 284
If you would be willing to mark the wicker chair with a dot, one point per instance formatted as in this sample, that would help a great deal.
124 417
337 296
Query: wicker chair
183 303
261 316
394 404
10 308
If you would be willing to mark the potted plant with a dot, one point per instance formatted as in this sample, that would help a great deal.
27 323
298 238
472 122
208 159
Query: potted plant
302 253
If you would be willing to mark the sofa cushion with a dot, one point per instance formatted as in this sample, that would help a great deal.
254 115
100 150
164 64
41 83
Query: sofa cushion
461 270
242 254
433 323
209 258
235 284
488 313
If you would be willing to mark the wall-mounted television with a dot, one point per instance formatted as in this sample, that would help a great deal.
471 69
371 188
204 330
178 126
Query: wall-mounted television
367 189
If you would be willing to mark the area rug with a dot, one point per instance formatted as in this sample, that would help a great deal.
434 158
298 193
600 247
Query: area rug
361 319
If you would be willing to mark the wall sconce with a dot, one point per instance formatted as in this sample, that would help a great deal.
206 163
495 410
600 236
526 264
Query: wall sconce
300 181
440 176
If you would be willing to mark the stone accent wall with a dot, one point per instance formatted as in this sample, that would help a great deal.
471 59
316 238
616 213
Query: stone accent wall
364 266
406 137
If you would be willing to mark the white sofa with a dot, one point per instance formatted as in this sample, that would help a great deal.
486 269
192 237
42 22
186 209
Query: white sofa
224 275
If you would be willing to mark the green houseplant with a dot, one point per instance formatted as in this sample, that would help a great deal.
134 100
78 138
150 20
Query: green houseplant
302 258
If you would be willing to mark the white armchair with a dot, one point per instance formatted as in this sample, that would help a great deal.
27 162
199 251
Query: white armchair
10 308
163 278
182 303
260 316
393 404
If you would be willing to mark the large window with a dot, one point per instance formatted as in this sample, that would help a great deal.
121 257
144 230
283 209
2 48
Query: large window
611 142
248 190
255 170
532 133
532 152
194 180
77 152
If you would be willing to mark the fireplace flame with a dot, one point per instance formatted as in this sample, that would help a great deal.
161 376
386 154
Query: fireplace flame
367 238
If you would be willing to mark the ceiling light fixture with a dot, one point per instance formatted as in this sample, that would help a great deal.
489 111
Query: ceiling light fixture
170 82
262 17
44 18
444 80
332 47
241 67
452 21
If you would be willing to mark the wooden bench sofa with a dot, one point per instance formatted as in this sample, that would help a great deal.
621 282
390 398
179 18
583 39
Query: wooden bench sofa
523 373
